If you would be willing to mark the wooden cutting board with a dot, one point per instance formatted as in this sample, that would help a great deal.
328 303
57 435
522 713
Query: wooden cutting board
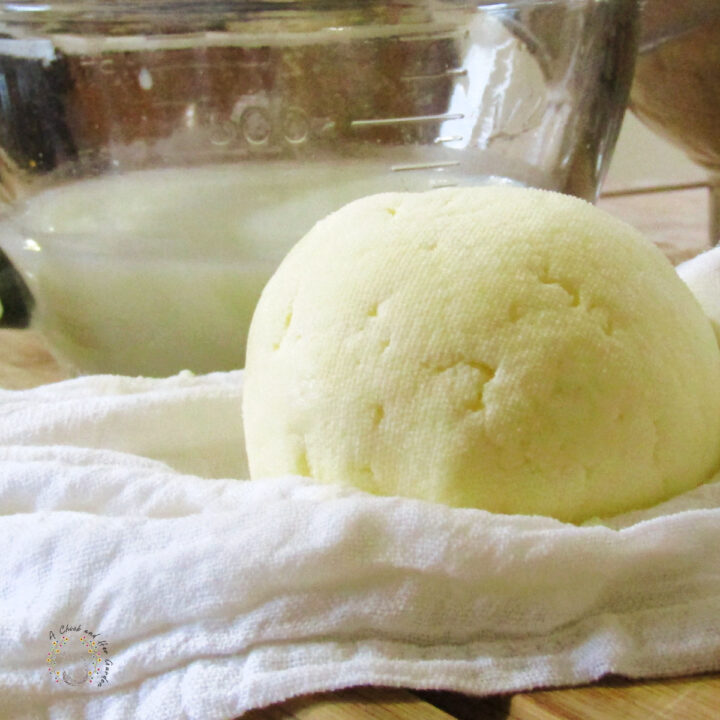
677 221
695 698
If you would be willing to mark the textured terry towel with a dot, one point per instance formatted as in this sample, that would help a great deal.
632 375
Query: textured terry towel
205 596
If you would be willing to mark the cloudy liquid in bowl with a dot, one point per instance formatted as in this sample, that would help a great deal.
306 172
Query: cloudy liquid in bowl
152 272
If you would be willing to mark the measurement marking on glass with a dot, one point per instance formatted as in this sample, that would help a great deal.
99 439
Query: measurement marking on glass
447 138
407 120
454 72
424 166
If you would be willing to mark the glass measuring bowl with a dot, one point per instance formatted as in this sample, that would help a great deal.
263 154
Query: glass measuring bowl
160 158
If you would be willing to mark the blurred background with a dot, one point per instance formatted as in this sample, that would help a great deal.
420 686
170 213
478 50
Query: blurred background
654 186
673 195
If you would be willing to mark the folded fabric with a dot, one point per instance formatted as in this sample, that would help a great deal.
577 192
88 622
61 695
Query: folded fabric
143 576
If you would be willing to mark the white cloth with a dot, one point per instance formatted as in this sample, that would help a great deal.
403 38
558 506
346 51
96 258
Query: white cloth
702 275
215 596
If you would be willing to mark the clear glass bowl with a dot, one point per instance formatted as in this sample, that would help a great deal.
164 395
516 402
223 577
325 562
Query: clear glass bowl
158 159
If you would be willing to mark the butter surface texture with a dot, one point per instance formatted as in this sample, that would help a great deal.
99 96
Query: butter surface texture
501 348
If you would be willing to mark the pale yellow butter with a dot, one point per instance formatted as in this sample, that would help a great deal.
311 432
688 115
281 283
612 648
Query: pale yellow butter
501 348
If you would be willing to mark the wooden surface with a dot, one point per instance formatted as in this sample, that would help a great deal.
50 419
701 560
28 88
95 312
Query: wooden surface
677 221
696 698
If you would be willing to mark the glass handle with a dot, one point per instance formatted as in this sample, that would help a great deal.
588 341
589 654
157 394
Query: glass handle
16 301
15 298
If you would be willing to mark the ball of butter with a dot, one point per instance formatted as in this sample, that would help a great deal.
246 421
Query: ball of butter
501 348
